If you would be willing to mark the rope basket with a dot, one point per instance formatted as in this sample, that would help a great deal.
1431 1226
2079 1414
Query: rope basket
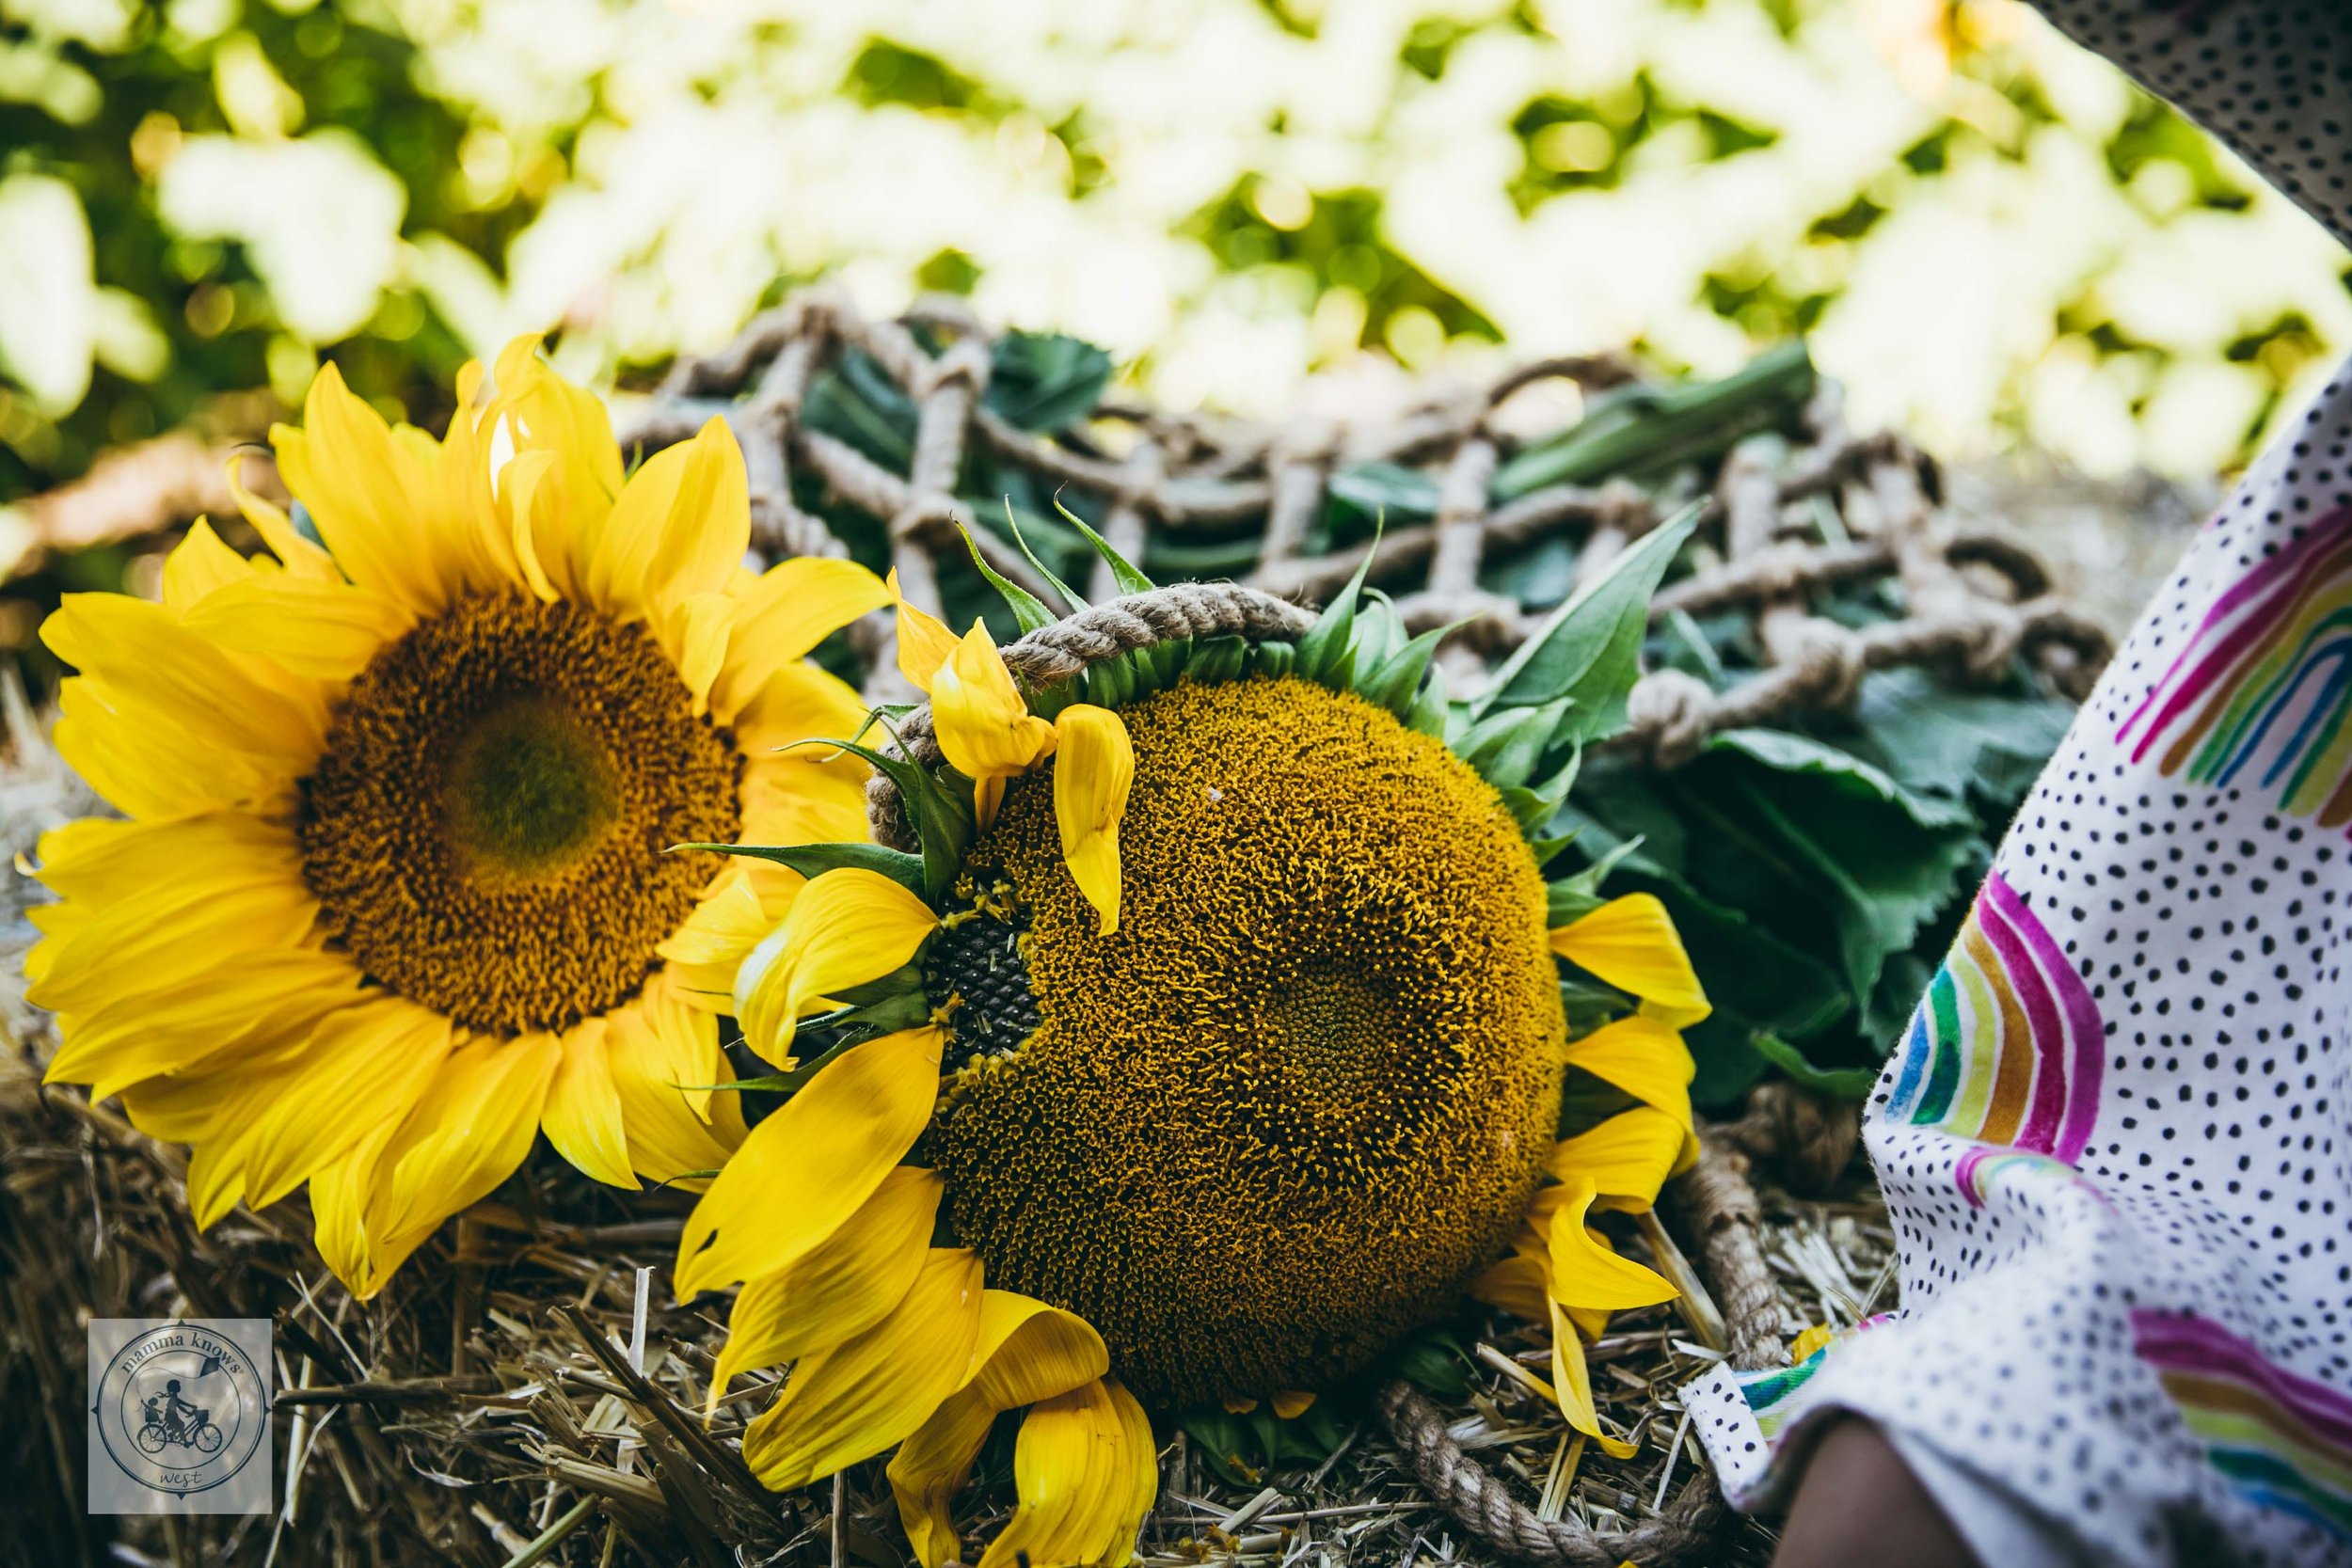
490 1362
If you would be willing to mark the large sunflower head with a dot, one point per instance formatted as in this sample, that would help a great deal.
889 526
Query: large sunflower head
1198 1028
390 893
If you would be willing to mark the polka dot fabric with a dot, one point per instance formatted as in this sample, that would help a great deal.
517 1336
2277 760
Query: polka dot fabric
2116 1140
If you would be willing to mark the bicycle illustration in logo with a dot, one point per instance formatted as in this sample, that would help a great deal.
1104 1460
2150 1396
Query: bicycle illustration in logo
173 1422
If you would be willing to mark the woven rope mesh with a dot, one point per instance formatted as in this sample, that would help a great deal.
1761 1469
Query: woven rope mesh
1786 513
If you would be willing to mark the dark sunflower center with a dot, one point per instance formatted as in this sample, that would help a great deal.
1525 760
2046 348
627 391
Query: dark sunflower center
486 829
1304 1093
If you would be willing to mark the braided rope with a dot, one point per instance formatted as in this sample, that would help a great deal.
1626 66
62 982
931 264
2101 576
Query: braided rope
1069 647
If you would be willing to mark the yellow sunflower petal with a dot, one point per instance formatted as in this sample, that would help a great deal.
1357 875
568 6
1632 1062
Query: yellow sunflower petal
696 641
660 1050
1643 1056
143 656
1628 1158
361 485
1631 944
985 729
782 617
1025 1352
1291 1403
852 1402
679 527
361 1066
1519 1285
710 945
848 927
469 1130
924 640
1094 767
1086 1472
583 1116
812 1163
844 1285
1587 1274
263 1002
198 564
1572 1385
328 630
299 556
339 1200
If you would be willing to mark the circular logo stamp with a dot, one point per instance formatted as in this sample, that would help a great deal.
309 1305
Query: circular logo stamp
180 1408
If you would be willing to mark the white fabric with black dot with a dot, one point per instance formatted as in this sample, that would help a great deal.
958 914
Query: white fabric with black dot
2134 1346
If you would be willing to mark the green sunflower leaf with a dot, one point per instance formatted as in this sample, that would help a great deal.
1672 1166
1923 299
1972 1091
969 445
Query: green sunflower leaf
1326 653
1112 683
1123 572
815 860
1432 1360
1589 649
1028 610
1217 659
941 817
1574 897
1853 1082
1275 660
1395 683
1507 748
1069 595
1433 710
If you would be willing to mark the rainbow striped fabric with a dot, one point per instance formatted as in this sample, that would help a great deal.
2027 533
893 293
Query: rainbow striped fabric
2280 1438
2006 1048
2265 683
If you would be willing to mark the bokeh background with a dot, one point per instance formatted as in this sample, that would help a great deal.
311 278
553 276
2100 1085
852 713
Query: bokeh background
1987 235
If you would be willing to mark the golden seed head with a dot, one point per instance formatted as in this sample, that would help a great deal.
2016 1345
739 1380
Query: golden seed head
486 829
1304 1092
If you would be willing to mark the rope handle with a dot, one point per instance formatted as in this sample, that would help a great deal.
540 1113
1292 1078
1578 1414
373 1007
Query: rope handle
1717 1205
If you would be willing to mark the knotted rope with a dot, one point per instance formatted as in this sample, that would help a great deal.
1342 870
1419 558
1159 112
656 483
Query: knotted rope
1068 648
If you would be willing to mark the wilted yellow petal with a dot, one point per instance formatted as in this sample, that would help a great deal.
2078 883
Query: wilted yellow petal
1519 1285
1627 1158
847 926
1094 767
844 1285
985 729
1025 1352
1572 1385
1584 1273
1643 1056
1291 1403
924 640
1086 1472
813 1163
1631 944
852 1402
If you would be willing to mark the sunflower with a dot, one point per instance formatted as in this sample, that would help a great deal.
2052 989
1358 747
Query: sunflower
1212 1033
390 893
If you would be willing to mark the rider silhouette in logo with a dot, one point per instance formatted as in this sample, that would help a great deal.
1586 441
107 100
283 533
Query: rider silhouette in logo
173 1419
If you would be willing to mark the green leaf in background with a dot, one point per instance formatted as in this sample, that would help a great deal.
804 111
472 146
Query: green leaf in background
1938 741
1432 1361
1637 430
857 402
1837 1082
1045 381
1589 649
